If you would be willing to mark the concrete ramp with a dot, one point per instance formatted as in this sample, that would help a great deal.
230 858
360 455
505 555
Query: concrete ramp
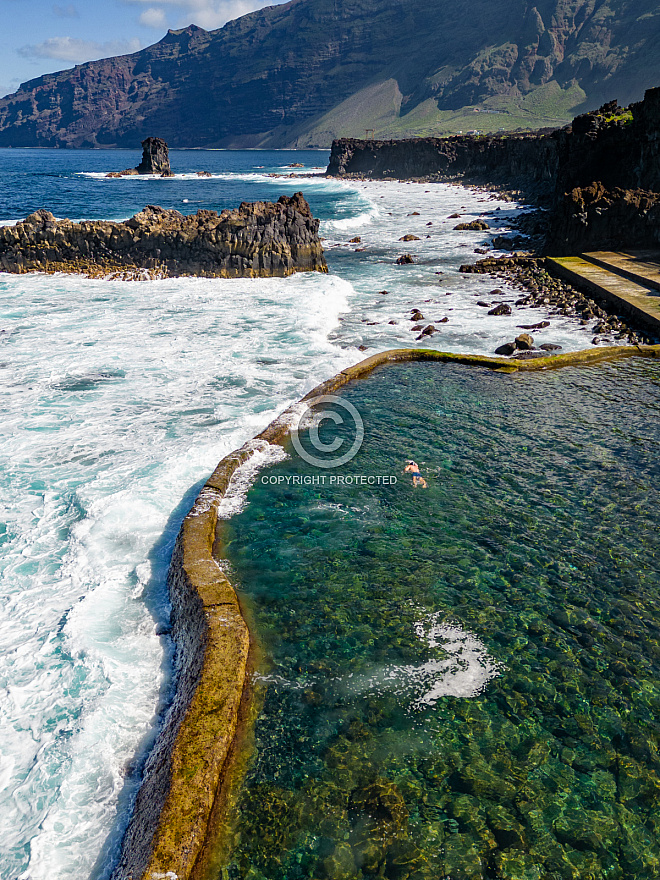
629 281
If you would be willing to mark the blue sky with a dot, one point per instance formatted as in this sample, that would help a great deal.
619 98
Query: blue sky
38 36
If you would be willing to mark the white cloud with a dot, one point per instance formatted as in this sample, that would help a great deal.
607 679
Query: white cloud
78 51
68 11
10 88
153 18
209 14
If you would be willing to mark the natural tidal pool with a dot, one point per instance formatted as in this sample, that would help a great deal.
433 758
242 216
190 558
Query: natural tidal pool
459 681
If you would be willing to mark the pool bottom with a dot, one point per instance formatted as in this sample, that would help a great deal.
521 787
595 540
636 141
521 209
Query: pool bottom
460 681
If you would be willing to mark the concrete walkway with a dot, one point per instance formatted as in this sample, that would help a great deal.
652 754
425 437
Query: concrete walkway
629 280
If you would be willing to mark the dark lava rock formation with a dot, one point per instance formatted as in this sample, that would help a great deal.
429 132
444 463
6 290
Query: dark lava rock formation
155 160
600 176
155 157
262 239
305 72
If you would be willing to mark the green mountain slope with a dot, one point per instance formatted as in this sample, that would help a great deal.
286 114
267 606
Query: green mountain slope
311 70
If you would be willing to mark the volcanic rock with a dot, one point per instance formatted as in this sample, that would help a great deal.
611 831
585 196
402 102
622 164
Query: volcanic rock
155 158
262 239
472 226
501 309
524 342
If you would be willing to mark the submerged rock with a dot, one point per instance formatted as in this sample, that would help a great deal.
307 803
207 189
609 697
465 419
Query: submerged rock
261 239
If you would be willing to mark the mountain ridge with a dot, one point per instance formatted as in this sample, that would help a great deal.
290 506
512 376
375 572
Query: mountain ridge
308 71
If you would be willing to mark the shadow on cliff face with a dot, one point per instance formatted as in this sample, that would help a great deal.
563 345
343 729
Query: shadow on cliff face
156 599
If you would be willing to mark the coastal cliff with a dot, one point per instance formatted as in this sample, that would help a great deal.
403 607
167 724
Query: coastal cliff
260 239
532 158
300 74
600 176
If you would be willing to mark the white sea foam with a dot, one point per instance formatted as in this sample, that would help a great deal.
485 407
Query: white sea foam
463 672
463 669
235 498
388 210
119 397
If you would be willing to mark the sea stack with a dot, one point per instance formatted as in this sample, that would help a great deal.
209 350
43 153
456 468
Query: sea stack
155 158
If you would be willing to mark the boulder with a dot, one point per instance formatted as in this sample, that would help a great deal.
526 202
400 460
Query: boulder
501 309
404 260
528 355
539 326
508 348
549 346
472 226
524 342
409 237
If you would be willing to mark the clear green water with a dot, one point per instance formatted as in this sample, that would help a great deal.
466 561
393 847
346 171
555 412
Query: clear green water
530 566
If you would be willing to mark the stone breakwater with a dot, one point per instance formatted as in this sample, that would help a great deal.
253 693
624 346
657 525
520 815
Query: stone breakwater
260 239
599 176
186 774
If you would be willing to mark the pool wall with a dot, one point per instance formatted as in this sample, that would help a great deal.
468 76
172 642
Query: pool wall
188 769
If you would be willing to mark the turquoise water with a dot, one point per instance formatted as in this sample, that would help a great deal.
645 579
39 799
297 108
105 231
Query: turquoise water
460 681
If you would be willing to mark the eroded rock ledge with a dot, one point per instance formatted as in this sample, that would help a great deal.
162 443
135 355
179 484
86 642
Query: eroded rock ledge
260 239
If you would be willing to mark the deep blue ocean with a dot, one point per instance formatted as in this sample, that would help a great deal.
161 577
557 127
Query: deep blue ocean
118 399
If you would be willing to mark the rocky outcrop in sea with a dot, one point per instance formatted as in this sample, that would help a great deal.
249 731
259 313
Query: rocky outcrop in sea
155 160
260 239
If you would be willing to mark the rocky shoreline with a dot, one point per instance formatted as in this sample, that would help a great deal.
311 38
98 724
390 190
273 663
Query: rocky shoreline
599 176
542 289
256 240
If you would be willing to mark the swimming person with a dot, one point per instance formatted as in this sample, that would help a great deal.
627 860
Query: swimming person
413 468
